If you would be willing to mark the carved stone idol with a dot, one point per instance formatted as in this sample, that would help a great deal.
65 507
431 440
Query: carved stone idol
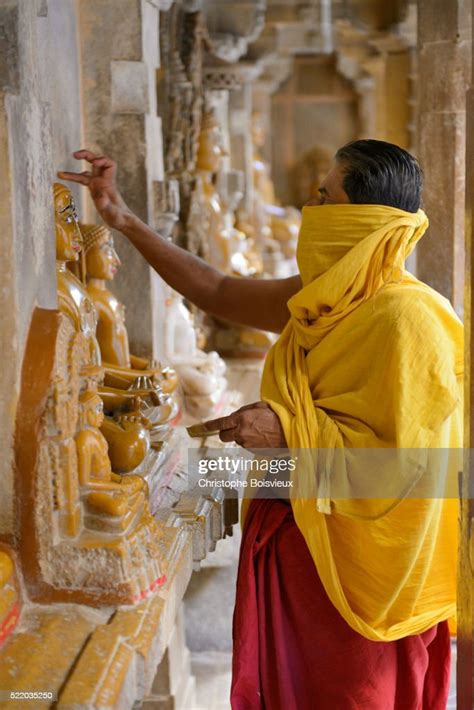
227 248
111 502
277 227
121 367
86 534
77 306
202 375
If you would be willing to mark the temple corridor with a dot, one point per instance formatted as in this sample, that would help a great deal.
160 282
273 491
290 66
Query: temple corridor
118 554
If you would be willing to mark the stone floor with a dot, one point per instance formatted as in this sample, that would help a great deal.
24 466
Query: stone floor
212 670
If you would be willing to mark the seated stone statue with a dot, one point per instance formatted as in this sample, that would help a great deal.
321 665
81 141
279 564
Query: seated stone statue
72 297
121 367
245 258
202 375
228 248
280 225
111 502
75 303
123 371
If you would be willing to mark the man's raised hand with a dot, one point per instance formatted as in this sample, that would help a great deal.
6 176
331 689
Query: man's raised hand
100 180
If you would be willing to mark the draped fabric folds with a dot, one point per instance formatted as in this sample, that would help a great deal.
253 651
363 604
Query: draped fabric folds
293 650
371 358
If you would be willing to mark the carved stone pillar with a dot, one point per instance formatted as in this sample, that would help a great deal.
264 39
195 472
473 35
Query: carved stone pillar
236 80
240 106
120 119
375 14
444 54
465 611
276 71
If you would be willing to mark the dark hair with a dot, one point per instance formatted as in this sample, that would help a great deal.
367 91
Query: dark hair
380 173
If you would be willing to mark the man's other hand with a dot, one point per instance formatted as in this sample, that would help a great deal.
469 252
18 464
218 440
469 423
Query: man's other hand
255 426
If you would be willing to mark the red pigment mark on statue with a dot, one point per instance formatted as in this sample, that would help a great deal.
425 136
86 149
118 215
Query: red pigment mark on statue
9 623
177 418
147 592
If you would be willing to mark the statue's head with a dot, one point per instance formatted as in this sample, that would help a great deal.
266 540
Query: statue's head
68 234
102 261
92 408
211 147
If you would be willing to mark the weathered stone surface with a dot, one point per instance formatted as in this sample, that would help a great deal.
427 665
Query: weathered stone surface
173 686
117 665
129 87
441 152
27 265
59 84
119 81
444 63
9 64
438 19
444 69
42 651
377 15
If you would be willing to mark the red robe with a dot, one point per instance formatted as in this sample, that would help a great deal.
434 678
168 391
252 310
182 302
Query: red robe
293 650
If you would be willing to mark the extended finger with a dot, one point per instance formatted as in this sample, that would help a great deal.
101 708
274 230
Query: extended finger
254 405
228 422
85 154
81 178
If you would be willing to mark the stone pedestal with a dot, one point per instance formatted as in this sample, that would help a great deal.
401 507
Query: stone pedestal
173 686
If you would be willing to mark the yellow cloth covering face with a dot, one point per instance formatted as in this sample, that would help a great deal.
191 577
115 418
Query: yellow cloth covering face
371 358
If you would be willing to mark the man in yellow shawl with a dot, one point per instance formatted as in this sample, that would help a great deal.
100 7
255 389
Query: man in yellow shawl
344 591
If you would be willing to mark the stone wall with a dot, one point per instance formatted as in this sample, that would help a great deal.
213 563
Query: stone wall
120 120
59 82
26 216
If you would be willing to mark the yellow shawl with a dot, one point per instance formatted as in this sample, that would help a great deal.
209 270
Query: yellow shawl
370 358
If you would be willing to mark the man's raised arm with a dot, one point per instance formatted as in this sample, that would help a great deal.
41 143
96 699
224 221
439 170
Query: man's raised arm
258 303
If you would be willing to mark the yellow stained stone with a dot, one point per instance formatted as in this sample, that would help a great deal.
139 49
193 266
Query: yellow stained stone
99 675
40 657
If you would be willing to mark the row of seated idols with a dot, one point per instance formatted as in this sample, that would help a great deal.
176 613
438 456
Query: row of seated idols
139 399
89 413
252 240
